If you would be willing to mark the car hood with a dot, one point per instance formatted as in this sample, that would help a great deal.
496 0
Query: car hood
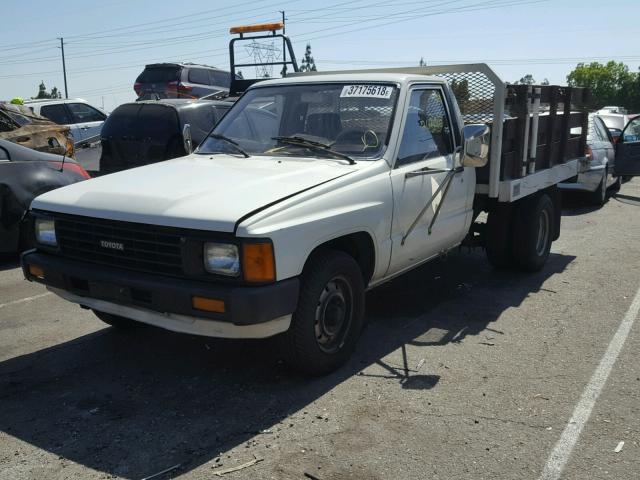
198 191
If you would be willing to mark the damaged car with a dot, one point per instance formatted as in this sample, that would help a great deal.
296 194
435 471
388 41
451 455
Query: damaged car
25 174
20 125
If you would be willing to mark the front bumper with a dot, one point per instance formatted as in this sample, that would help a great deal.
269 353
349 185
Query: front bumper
97 286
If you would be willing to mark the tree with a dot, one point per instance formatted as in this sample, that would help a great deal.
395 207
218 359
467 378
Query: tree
529 80
461 91
308 63
526 80
422 62
42 92
611 83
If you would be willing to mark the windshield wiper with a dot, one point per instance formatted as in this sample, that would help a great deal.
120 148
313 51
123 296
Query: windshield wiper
303 142
235 144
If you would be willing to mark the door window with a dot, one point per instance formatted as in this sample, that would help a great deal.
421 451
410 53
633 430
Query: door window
220 79
199 75
602 131
83 113
4 155
427 131
56 113
631 132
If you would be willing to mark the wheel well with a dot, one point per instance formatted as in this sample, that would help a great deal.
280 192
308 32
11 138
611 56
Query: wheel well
359 246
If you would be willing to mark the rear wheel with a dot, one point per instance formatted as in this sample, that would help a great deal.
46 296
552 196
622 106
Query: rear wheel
328 320
121 323
600 195
533 232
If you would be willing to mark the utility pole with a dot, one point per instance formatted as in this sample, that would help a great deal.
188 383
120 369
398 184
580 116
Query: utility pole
64 69
284 45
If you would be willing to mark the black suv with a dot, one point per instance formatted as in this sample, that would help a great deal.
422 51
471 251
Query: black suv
140 133
180 80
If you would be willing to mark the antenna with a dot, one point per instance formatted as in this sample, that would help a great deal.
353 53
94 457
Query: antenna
64 155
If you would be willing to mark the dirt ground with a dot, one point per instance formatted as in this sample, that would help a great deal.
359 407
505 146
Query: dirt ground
463 372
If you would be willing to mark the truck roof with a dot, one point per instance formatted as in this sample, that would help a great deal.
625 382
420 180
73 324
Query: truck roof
363 76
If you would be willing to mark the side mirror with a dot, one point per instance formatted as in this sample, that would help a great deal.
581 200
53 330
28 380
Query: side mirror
186 138
476 145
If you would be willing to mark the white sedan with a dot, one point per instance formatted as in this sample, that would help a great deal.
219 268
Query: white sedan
599 178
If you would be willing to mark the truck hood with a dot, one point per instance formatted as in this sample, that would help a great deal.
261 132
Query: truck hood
197 191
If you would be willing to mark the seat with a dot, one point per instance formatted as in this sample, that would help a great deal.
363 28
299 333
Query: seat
326 125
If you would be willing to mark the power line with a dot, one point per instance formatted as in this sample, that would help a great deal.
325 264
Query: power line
164 21
385 22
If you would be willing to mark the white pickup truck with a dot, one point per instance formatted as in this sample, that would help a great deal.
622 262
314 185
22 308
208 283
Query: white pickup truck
310 191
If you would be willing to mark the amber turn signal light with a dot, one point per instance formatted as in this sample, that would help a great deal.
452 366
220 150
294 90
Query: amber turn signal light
208 304
36 271
258 264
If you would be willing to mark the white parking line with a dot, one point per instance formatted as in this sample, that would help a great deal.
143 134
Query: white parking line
22 300
562 451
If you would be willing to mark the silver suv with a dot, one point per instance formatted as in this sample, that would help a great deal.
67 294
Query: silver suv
180 80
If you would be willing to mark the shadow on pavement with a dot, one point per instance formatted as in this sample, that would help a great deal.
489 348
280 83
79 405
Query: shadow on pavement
9 261
629 199
134 404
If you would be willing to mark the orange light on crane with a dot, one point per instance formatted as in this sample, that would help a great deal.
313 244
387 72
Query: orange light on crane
259 27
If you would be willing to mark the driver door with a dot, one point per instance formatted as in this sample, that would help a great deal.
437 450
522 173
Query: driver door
425 154
628 150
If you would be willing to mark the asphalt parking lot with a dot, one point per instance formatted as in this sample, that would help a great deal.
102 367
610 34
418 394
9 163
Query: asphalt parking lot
462 373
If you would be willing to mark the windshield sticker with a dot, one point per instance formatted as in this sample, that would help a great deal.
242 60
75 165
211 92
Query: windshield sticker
372 91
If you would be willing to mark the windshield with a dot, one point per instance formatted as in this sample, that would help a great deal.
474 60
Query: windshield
352 119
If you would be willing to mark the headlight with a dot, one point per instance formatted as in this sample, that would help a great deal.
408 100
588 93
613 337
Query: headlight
46 232
222 258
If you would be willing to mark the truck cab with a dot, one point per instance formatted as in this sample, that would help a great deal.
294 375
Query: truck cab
311 190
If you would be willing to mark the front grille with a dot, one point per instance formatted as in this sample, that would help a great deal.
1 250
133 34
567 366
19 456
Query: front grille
146 248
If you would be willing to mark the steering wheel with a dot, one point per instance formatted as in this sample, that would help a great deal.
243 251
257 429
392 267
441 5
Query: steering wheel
366 138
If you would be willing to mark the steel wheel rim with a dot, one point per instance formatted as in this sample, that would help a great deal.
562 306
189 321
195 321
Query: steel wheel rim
334 314
543 232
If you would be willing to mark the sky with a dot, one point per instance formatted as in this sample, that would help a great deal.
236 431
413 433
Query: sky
107 43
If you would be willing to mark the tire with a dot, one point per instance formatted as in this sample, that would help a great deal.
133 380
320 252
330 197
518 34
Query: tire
616 186
533 232
121 323
327 322
599 197
499 237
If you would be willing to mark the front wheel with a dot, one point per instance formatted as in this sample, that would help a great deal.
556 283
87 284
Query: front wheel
327 322
534 232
